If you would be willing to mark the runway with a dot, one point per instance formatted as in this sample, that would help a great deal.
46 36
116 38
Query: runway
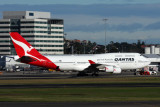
20 76
81 104
100 85
60 75
63 75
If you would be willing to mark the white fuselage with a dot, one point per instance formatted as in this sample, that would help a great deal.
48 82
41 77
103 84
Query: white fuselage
80 62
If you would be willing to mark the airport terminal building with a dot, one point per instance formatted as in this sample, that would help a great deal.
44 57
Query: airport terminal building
38 28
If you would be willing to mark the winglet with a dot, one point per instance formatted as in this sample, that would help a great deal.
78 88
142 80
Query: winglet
91 62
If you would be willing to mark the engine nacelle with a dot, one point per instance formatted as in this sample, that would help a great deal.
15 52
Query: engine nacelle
117 70
109 68
113 69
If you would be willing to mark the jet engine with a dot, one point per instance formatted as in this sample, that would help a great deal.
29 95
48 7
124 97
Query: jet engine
109 68
113 69
117 70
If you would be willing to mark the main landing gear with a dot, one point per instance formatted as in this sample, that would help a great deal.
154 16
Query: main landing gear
95 74
82 73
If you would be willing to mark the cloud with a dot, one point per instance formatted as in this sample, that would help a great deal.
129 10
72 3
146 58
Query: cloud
153 26
126 22
126 27
84 2
121 10
101 27
117 36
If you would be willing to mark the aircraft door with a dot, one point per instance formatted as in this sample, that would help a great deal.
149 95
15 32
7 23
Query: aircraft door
135 63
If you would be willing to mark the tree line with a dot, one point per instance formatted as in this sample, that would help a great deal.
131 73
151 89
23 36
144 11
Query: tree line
88 47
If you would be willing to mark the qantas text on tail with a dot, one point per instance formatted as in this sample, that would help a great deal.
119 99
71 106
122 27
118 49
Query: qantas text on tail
110 62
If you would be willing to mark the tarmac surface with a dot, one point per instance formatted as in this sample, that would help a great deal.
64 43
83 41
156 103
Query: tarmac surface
80 104
62 75
81 85
20 75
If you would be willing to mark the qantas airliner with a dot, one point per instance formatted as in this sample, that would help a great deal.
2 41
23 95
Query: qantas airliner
108 62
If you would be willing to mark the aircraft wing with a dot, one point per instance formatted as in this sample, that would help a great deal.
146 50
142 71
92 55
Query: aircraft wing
108 68
95 66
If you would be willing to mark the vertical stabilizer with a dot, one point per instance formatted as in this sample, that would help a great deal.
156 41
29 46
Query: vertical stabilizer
28 54
22 47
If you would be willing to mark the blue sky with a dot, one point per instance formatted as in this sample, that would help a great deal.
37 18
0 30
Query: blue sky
128 20
33 2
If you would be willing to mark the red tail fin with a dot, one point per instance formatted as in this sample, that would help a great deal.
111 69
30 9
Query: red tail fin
28 54
23 48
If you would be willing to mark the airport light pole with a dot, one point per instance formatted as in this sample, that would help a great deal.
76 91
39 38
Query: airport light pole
65 42
105 21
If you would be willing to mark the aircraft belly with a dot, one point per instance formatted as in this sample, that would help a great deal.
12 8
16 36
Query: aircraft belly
72 67
126 66
129 66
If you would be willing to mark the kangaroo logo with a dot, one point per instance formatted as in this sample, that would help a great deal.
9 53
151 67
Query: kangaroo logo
30 48
25 48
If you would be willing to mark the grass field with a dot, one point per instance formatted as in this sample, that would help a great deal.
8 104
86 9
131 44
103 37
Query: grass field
82 94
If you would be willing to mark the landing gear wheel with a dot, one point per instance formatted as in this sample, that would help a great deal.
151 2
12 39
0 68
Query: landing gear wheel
82 74
95 74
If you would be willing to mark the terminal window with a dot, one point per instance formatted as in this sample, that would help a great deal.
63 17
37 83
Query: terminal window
31 14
